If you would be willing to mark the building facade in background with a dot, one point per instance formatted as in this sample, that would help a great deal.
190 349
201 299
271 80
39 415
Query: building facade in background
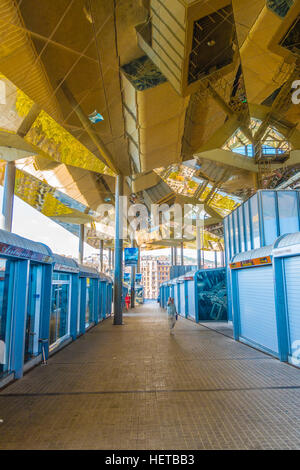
155 270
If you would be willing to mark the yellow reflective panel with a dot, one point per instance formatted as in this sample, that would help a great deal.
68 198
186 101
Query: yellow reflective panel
52 207
10 117
60 145
55 142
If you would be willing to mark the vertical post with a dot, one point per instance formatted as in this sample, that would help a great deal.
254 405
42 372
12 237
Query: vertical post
101 256
175 255
182 254
132 294
216 259
118 316
172 256
112 258
109 258
8 196
138 268
19 325
198 244
81 243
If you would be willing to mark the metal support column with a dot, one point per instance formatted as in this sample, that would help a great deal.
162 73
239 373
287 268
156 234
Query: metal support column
132 290
175 255
181 254
81 243
118 316
138 268
8 196
216 259
109 258
101 256
198 245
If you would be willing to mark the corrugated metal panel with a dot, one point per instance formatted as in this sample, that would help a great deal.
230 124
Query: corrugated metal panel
290 239
63 261
191 299
176 297
257 307
87 271
252 254
182 300
9 238
292 281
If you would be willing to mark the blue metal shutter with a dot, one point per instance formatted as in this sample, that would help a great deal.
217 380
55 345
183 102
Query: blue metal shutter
176 296
257 307
191 299
292 281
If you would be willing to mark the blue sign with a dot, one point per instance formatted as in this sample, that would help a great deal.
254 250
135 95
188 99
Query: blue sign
138 277
131 256
96 117
126 277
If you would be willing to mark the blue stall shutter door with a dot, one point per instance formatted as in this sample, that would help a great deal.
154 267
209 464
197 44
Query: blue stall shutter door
257 307
292 279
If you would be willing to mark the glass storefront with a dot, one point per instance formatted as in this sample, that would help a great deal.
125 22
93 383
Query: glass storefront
33 312
6 297
60 307
212 295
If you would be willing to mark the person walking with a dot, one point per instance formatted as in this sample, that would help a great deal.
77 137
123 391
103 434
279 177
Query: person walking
172 314
127 301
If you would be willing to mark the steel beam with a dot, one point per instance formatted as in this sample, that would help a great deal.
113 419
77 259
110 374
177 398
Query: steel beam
81 243
118 277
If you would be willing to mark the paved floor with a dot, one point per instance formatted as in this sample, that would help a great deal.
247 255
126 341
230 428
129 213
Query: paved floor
137 387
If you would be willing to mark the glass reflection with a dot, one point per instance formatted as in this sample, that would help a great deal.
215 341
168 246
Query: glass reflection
212 294
6 293
60 308
33 312
89 302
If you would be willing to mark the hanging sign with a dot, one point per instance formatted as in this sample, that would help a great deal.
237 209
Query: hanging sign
131 256
138 277
126 277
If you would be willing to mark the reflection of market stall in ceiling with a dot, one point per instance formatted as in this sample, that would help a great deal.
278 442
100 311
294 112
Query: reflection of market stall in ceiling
195 99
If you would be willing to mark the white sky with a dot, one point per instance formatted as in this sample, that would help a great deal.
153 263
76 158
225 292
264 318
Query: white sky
29 223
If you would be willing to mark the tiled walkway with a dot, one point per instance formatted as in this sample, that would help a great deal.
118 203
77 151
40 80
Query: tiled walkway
137 387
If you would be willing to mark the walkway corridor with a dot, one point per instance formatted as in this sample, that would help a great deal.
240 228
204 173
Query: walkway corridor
138 387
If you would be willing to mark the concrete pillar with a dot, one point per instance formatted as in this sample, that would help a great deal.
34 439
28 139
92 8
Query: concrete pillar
81 243
118 277
8 196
